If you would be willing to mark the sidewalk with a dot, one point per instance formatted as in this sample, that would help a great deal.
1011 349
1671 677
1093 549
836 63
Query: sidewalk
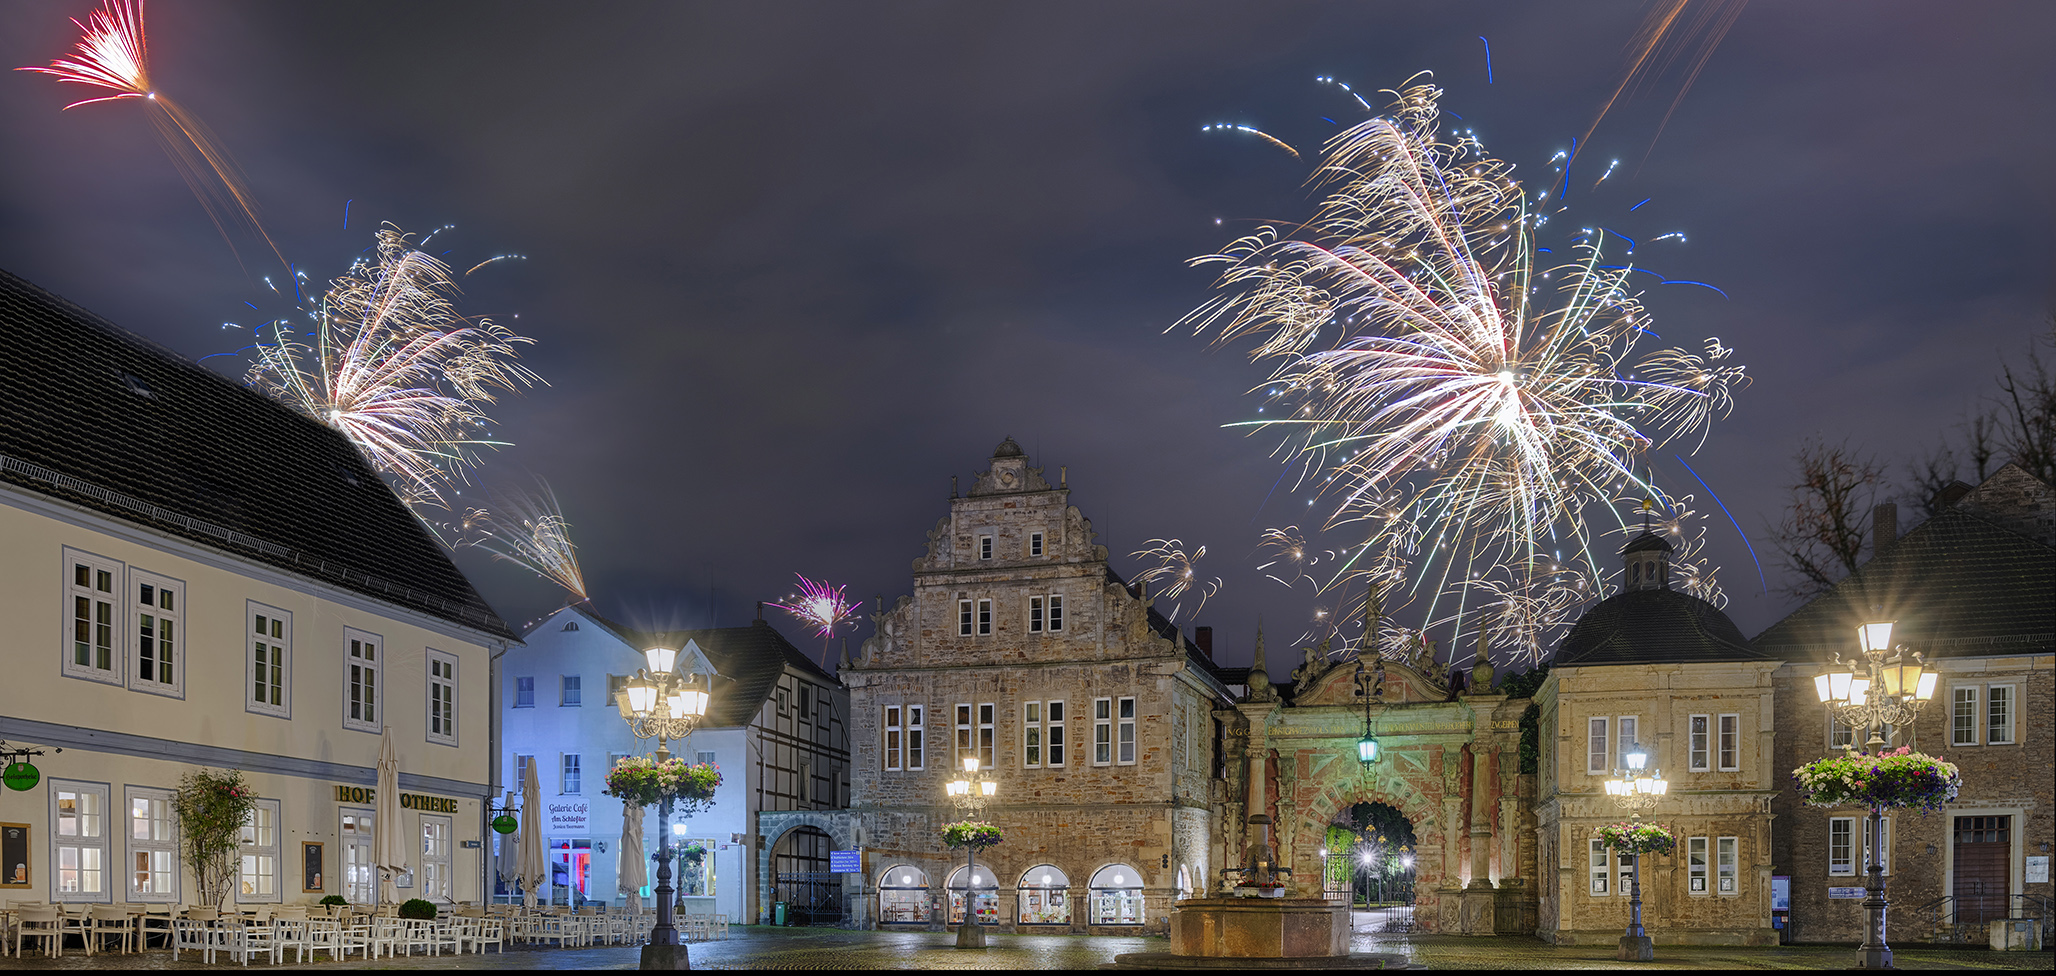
758 947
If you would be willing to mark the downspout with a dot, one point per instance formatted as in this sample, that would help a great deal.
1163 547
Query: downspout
486 867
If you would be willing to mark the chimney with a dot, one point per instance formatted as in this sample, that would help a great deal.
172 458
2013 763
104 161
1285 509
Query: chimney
1204 637
1884 528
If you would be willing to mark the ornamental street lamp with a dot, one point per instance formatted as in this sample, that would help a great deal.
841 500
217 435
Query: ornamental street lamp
1369 685
1636 787
1889 691
658 703
969 793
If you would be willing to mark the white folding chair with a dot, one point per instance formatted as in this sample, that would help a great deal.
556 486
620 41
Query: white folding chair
39 923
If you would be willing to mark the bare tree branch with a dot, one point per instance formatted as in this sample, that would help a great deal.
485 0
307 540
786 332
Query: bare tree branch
1827 521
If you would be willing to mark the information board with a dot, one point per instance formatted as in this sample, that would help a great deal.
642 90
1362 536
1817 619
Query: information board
846 862
1845 892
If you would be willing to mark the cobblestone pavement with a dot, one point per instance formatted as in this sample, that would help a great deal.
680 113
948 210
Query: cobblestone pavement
768 948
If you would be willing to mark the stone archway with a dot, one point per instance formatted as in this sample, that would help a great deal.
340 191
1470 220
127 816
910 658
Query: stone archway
775 833
1449 764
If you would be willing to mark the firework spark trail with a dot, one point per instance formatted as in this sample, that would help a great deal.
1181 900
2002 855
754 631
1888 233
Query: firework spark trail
528 530
1251 130
1174 571
1664 36
395 368
1463 430
113 55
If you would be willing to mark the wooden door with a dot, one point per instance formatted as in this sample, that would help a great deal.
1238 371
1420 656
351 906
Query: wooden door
1984 847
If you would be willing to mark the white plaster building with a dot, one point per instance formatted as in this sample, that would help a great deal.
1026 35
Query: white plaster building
197 576
776 727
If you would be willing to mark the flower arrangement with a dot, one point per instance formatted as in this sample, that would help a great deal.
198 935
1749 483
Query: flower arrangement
693 853
212 808
1635 837
1900 778
976 834
640 779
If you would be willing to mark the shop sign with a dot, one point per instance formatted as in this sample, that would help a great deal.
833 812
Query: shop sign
1845 892
408 801
568 817
846 862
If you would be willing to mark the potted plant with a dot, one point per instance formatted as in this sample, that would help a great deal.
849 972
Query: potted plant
1901 778
420 908
212 808
974 834
1636 837
688 786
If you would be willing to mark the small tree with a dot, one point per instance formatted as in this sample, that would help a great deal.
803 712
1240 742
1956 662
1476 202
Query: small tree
212 808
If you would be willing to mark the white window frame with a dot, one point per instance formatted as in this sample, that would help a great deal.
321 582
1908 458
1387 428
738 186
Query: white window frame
521 771
447 685
1729 743
985 542
988 736
568 685
105 620
1056 613
964 618
1727 866
1102 731
890 738
367 717
268 631
1626 729
570 774
1966 719
1031 735
985 617
1598 745
98 845
249 845
617 685
1840 735
1127 738
1035 618
1599 870
1053 734
1035 544
2008 727
964 734
518 679
1842 864
159 585
1699 743
917 738
1696 881
437 886
165 848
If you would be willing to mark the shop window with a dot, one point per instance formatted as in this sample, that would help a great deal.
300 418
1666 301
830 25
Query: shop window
571 872
1695 865
1726 864
1117 896
984 889
435 859
257 855
1600 870
903 895
78 814
360 874
1045 896
152 846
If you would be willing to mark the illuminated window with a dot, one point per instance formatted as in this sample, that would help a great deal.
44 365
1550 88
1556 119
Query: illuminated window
1044 897
1599 870
257 855
1117 896
152 846
1725 864
1695 864
78 814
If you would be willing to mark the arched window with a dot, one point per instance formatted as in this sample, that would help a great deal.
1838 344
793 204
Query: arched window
1117 896
1045 896
903 895
984 886
1185 882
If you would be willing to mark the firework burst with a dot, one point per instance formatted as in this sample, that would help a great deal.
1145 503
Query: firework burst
820 606
1173 571
395 368
528 530
113 56
1473 437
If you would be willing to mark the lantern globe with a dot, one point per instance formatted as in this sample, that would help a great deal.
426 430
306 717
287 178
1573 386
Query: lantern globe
661 659
1875 636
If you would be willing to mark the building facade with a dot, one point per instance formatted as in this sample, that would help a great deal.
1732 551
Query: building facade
776 726
1020 648
203 578
1668 671
1973 590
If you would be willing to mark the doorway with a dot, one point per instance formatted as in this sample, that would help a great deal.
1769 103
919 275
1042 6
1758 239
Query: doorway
1371 857
360 870
1984 849
571 872
812 894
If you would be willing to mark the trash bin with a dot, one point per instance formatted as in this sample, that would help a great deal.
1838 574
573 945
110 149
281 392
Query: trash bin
778 913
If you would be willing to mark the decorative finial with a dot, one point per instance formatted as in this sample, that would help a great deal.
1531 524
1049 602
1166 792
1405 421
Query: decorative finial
845 662
1063 476
953 486
1258 664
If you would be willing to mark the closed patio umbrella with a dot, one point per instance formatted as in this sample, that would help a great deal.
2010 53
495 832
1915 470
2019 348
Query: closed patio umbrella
389 844
533 860
633 871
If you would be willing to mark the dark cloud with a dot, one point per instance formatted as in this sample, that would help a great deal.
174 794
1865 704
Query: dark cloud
793 265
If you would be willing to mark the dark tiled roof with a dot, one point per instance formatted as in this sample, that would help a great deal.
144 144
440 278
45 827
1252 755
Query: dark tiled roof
103 418
1958 585
1647 541
751 657
1654 627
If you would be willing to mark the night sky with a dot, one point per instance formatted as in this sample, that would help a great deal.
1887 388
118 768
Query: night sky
792 266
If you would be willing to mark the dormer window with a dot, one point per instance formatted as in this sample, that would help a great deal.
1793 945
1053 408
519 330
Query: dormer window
573 625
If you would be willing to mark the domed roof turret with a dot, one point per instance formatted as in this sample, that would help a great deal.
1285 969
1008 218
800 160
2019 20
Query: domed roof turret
1654 626
1007 448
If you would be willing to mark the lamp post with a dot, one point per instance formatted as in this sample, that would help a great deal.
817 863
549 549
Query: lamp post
1888 691
1636 787
658 703
968 793
1369 685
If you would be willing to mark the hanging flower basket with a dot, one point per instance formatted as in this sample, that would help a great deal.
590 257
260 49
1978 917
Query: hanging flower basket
1632 837
693 853
1898 779
977 834
640 779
